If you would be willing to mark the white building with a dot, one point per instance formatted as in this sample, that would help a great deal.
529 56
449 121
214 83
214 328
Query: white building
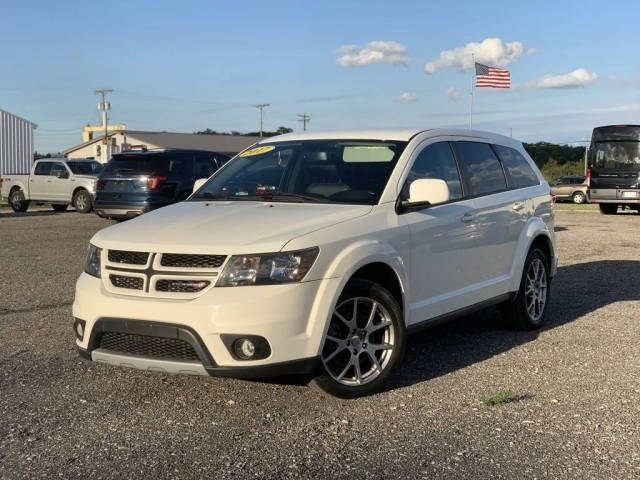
16 143
119 141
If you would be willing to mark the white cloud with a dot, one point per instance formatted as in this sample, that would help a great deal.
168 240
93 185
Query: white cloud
408 97
452 93
533 51
392 53
578 78
491 51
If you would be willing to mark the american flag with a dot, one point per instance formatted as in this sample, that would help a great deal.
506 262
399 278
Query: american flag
492 77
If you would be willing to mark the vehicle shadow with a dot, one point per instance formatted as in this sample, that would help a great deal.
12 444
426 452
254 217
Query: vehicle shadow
576 291
37 213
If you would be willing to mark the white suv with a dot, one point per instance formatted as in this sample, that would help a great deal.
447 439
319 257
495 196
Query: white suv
319 253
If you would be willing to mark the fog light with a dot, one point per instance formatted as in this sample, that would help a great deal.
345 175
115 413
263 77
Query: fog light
78 328
244 348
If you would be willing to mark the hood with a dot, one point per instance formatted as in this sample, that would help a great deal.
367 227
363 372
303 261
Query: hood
224 227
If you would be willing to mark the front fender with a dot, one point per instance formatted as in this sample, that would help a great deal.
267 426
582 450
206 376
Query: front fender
532 230
364 252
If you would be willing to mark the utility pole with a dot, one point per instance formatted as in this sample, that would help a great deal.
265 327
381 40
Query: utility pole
304 118
260 106
103 106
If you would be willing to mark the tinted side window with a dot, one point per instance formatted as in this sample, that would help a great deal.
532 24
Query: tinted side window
180 165
57 168
203 166
482 170
436 161
520 172
43 168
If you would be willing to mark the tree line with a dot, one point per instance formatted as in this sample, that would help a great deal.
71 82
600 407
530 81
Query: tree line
555 160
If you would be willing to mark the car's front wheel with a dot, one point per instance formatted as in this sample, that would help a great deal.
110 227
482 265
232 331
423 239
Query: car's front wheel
364 343
82 202
528 309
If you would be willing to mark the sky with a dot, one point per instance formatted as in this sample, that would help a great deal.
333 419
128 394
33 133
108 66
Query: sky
191 65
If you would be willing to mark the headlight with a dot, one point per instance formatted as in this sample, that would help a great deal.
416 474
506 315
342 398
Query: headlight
92 263
268 268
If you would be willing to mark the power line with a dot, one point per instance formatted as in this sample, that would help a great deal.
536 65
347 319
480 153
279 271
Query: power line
261 106
304 118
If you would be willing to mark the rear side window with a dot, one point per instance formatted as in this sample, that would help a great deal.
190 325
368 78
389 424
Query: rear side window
480 167
204 166
436 161
519 170
57 168
43 168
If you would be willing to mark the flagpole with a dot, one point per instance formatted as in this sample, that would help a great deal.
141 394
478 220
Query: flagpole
473 69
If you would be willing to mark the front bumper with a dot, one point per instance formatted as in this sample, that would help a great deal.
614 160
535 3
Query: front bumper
291 318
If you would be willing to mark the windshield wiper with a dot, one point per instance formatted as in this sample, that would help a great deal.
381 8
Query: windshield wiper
289 196
213 196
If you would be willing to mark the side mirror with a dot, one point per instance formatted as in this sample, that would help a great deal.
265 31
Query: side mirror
425 192
63 175
198 183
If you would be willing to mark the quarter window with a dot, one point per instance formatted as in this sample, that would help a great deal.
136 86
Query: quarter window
520 172
436 161
480 167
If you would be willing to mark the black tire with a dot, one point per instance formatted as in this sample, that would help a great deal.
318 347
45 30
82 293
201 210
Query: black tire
18 202
608 208
59 207
82 201
578 197
518 311
382 324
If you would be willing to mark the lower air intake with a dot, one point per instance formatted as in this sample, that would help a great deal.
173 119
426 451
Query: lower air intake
168 348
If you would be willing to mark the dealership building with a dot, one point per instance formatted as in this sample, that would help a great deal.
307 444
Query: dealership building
101 149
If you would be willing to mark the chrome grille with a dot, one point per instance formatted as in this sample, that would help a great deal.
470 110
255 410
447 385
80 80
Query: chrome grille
121 281
171 348
191 261
181 286
131 258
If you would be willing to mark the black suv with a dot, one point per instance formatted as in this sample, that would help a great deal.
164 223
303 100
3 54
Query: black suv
135 182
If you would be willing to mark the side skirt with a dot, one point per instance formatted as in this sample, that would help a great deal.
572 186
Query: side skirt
447 317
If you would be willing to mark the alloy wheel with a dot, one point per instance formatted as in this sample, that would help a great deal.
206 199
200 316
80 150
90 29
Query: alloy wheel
535 292
359 343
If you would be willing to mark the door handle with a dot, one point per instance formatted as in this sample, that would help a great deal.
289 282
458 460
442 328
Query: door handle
469 217
518 206
48 181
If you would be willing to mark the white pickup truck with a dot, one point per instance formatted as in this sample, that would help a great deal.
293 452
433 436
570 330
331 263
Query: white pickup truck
58 181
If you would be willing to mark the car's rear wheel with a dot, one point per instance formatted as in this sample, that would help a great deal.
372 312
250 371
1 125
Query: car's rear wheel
578 197
82 202
18 202
59 207
364 343
528 309
608 208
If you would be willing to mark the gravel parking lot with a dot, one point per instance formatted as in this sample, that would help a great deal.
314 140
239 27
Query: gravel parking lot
577 412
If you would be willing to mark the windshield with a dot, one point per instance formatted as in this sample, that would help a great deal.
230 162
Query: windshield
327 171
616 156
85 168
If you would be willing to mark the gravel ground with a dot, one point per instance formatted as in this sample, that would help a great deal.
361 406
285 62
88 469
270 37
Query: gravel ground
577 413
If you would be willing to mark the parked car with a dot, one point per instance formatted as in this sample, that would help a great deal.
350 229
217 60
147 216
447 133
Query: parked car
138 181
570 188
58 181
319 254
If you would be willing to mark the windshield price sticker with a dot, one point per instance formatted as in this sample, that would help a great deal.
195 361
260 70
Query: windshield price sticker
257 151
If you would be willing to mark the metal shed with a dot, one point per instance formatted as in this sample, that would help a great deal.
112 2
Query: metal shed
16 144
